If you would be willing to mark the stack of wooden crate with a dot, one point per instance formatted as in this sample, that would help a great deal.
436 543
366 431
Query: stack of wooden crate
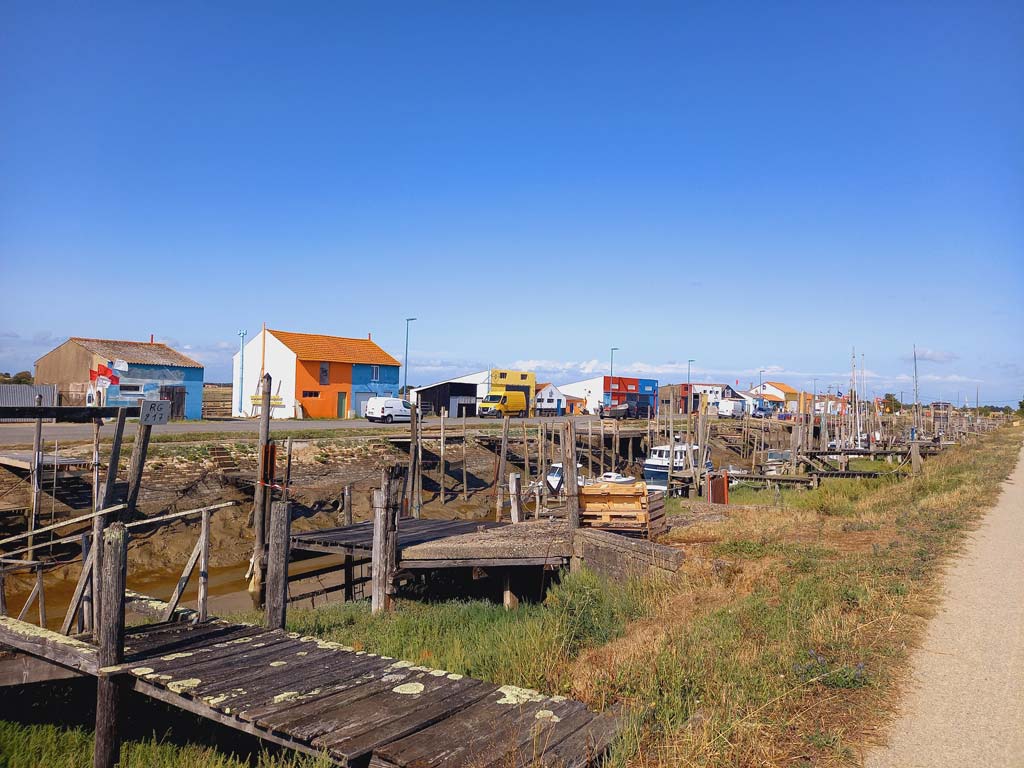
624 508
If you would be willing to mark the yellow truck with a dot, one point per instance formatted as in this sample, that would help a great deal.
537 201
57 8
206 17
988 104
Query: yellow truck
507 403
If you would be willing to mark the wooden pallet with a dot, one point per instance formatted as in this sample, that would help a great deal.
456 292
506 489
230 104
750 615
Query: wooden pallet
624 509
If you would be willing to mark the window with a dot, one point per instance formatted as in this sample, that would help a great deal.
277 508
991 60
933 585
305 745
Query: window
325 374
130 389
502 375
374 373
311 392
522 377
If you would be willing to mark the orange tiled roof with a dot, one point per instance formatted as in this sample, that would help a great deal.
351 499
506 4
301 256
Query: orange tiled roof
334 349
769 398
782 387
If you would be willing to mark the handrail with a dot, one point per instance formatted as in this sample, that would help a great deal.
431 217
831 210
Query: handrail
62 524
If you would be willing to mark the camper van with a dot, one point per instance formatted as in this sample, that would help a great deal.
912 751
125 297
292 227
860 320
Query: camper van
388 409
507 403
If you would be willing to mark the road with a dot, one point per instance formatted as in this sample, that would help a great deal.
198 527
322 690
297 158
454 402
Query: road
21 434
966 706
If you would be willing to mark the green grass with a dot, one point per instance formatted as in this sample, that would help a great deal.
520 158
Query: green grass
822 633
531 646
33 746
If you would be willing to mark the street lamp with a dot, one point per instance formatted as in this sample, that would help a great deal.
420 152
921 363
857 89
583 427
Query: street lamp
760 389
241 368
689 391
611 364
405 385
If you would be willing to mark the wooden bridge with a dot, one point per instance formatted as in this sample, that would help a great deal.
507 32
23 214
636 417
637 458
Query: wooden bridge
322 698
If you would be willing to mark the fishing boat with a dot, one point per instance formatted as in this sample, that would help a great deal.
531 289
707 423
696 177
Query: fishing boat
656 466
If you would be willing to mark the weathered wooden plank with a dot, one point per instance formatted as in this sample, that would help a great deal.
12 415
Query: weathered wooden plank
582 747
200 708
47 644
350 745
107 749
18 668
213 647
64 414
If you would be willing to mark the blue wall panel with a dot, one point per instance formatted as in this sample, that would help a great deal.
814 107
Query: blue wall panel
151 377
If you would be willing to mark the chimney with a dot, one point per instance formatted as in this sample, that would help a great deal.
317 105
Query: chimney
369 336
151 338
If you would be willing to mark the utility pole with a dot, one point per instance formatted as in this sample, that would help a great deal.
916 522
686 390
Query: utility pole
405 367
917 405
611 364
241 370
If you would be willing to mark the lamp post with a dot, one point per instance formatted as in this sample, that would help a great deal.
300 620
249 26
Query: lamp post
405 373
611 363
689 390
760 389
241 368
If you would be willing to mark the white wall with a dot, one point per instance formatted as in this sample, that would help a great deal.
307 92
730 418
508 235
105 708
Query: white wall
280 364
590 390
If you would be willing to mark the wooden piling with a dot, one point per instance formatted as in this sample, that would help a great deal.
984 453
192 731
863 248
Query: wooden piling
444 465
384 554
346 505
590 447
37 477
261 494
135 467
99 522
572 501
111 644
499 485
279 537
465 468
515 494
204 566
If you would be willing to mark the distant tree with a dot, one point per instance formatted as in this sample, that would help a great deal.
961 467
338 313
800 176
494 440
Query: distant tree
21 377
1020 407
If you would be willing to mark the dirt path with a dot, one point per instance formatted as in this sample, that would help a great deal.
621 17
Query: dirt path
966 706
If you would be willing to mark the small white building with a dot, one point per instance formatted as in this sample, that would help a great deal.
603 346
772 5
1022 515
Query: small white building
590 391
550 401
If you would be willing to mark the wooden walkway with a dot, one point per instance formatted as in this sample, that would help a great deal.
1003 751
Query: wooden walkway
451 543
320 697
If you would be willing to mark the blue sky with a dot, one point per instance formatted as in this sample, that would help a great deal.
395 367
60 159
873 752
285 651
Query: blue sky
755 186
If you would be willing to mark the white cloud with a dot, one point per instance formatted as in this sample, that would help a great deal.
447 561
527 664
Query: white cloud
926 355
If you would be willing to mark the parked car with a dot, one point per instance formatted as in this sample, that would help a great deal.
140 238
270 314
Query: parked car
760 412
388 409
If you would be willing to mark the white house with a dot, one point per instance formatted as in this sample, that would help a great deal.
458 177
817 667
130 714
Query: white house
590 391
550 400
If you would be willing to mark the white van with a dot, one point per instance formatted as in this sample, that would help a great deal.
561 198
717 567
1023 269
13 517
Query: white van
388 409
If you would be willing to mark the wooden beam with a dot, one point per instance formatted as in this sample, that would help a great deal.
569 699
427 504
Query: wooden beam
260 493
47 644
63 414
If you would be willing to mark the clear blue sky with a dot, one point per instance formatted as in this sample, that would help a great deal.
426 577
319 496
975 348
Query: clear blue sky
757 185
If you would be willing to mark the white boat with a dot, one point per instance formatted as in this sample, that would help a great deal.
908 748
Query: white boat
656 466
615 477
554 477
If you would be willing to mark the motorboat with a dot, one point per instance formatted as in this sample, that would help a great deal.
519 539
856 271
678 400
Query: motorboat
656 466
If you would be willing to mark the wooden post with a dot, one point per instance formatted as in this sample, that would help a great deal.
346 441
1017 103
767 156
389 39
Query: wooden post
465 469
135 466
499 486
526 455
37 478
349 571
99 522
916 464
509 599
277 564
444 464
572 501
516 496
384 554
419 468
40 596
590 447
260 496
111 644
411 475
3 592
536 498
346 505
204 566
601 462
542 470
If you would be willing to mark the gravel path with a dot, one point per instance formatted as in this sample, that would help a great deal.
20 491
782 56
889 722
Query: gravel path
966 705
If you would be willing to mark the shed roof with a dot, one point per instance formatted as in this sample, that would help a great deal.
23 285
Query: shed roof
137 352
334 349
782 387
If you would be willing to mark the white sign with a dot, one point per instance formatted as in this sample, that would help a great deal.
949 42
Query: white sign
152 412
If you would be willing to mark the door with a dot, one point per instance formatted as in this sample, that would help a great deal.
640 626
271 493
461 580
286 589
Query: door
342 413
359 401
176 394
